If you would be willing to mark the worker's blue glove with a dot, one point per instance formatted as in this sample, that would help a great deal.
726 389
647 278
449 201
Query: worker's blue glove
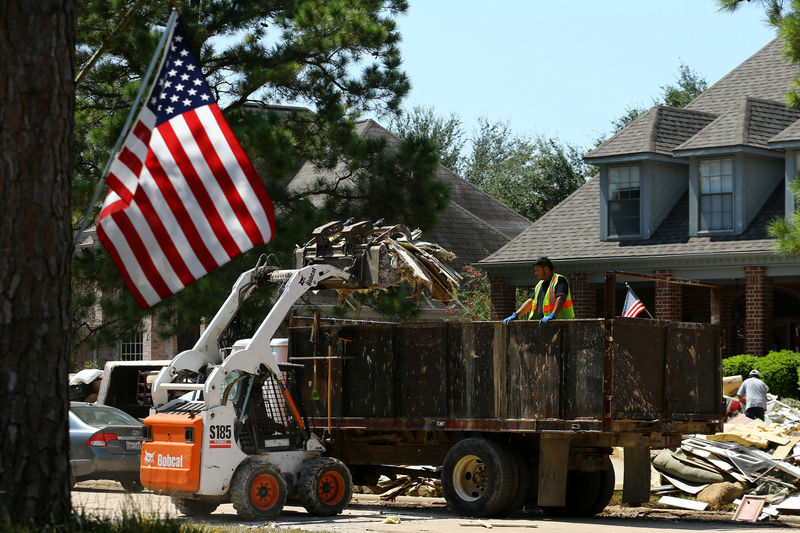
509 319
546 318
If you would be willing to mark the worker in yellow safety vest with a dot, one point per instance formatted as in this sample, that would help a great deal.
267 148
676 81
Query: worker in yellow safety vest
551 298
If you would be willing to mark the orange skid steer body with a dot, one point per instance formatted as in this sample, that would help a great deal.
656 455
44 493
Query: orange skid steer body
171 460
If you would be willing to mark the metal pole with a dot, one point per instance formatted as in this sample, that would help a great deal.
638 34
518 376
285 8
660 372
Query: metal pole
145 81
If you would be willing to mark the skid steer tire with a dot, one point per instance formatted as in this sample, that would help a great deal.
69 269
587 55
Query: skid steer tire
258 491
478 477
325 486
194 508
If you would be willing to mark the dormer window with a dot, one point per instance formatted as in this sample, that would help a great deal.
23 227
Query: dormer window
716 194
623 200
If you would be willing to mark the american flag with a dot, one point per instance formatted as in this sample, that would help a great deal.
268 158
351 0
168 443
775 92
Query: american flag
633 305
184 198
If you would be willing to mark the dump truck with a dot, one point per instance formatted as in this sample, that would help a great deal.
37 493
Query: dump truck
518 414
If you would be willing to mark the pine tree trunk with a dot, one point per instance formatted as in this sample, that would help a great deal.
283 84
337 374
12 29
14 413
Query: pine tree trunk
36 147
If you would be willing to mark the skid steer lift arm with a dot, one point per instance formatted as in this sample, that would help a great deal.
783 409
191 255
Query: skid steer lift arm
257 351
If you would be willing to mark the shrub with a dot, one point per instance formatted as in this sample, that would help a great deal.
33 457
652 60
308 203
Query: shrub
739 364
779 372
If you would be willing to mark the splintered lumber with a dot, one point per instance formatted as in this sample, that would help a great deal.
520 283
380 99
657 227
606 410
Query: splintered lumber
781 452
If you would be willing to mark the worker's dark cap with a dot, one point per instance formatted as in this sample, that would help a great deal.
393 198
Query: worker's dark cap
543 261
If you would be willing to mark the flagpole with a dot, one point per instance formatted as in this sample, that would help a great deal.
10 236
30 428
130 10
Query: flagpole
170 24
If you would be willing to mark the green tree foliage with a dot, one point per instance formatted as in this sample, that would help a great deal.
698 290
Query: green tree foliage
785 17
325 61
531 176
689 85
447 133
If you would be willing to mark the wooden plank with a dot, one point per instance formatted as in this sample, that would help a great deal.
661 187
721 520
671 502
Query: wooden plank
553 460
783 451
500 366
636 480
682 503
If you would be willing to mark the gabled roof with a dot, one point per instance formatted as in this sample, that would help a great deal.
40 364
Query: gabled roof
579 216
788 137
656 131
767 74
749 122
473 224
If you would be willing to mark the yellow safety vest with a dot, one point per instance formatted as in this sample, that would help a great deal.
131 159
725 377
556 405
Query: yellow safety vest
549 302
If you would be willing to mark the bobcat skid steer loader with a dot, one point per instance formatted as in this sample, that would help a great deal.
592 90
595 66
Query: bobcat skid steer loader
225 427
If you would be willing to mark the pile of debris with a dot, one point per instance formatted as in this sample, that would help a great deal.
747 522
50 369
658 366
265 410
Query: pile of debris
753 460
418 481
84 386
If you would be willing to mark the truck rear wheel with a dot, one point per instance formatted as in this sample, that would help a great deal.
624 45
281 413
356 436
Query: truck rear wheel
325 486
194 508
258 491
478 477
588 493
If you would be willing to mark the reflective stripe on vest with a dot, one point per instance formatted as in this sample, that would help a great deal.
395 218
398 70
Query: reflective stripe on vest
549 302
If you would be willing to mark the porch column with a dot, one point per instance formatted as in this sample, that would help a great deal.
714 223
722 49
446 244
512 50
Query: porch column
503 300
757 299
669 297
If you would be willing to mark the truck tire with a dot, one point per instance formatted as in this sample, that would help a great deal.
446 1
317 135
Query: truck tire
258 491
325 486
521 480
588 493
194 508
478 477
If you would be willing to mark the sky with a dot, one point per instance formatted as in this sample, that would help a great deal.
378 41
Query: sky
565 69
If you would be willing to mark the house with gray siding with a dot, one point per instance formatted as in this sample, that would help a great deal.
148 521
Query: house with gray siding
684 193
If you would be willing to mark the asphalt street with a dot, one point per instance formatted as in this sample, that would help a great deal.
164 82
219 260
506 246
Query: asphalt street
421 515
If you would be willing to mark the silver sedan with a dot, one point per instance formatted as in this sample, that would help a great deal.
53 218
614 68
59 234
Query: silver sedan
105 443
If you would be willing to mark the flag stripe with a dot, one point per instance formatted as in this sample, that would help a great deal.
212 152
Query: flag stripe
199 190
163 238
109 237
129 159
139 254
179 196
263 211
161 210
224 181
142 132
173 200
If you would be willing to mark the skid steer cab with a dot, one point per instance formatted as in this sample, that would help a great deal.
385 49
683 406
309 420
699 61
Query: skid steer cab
251 450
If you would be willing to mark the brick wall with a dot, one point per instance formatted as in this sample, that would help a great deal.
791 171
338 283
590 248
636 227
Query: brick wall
584 296
757 306
503 299
669 298
154 346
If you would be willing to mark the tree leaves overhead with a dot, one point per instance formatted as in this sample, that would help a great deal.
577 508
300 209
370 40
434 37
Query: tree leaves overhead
293 77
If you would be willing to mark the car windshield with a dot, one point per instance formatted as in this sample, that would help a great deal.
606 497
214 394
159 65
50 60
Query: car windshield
103 416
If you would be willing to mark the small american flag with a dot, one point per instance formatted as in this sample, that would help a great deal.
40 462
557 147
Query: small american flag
184 198
633 305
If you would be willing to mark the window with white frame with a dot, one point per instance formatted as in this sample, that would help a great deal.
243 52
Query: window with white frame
623 200
131 347
716 194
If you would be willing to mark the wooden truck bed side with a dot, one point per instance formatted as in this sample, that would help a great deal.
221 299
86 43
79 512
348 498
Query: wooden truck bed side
660 377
